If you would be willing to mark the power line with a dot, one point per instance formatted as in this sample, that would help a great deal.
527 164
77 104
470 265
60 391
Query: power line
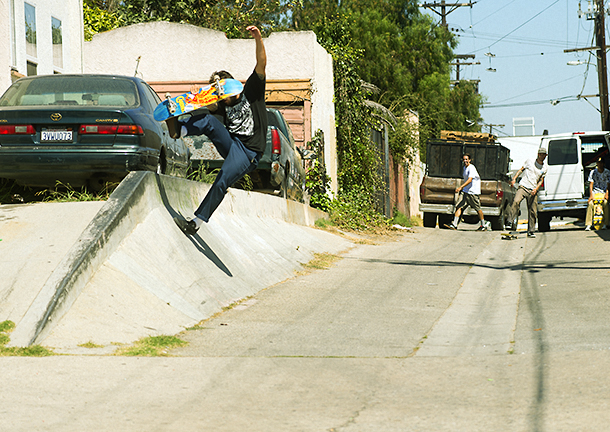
518 27
538 102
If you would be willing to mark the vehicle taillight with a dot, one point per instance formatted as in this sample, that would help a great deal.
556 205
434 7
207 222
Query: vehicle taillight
422 191
17 130
499 195
276 144
111 130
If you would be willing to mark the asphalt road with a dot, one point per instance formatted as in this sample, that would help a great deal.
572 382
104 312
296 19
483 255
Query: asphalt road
436 330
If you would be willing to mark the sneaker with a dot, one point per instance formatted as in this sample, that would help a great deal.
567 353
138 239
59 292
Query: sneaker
531 235
173 127
482 228
588 228
187 227
451 226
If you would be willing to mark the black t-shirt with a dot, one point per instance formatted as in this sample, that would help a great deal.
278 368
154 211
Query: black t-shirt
248 119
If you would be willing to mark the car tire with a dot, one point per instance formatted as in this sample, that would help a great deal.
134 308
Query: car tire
284 188
161 164
430 220
544 222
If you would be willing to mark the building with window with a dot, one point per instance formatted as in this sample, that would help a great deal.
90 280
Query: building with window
40 37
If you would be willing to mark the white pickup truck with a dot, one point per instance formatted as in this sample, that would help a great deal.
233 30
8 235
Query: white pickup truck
571 156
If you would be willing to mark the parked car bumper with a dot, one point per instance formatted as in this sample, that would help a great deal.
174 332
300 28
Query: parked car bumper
42 167
450 209
563 205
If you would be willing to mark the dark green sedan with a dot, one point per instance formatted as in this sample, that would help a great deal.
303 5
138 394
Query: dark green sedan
84 130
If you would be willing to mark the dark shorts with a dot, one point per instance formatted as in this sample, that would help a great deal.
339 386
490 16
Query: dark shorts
467 199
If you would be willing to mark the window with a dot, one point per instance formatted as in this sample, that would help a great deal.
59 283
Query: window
563 152
74 91
58 58
32 68
30 30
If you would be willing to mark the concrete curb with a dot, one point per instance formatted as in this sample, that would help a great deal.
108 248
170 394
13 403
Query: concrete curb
129 206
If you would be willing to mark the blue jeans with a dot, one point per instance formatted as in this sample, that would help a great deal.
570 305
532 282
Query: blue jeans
238 160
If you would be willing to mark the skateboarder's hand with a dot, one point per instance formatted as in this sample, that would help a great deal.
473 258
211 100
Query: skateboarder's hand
254 31
194 89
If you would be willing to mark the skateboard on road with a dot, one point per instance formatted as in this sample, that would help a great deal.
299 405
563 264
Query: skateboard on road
187 102
509 236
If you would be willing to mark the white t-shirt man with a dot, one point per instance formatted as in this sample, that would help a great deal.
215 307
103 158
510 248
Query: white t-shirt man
474 187
532 171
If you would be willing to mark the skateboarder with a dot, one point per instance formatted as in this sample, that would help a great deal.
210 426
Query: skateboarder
241 140
529 185
469 194
598 183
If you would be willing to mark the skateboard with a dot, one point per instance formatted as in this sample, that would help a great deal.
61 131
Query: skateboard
187 102
598 210
509 236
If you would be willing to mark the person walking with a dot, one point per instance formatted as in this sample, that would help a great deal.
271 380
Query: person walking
529 185
469 193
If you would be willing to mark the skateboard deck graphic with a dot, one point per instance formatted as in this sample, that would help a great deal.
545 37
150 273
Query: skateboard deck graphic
187 102
598 210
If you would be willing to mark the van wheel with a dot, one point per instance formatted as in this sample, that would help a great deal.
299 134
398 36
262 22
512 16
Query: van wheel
544 222
430 220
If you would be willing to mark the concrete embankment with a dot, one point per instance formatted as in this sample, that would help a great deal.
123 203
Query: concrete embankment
130 272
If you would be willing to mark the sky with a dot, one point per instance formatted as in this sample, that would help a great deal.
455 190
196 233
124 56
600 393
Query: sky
527 40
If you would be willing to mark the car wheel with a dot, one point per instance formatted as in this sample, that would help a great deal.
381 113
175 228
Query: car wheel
544 222
161 164
497 222
430 220
284 188
444 220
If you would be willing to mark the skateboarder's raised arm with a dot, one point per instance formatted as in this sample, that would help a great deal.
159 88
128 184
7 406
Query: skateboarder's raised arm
261 55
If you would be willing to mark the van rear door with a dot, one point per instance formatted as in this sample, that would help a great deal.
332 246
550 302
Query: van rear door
565 178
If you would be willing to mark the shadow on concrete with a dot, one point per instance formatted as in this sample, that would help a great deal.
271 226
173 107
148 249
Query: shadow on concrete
197 241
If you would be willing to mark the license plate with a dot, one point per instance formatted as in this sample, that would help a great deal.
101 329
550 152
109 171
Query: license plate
56 135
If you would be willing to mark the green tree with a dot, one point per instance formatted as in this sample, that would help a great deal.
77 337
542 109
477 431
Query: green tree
229 16
98 16
406 55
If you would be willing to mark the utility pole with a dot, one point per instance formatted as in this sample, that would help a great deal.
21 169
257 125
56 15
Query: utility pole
600 39
597 13
444 5
457 63
491 126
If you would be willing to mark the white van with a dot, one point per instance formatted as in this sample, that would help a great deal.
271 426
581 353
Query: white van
571 157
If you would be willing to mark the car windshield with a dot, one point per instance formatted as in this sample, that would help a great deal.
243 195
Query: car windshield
77 91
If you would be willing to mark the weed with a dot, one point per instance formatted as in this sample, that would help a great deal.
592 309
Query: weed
401 219
66 193
32 351
90 345
322 261
152 346
203 173
324 223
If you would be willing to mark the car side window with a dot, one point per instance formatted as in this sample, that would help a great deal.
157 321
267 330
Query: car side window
152 96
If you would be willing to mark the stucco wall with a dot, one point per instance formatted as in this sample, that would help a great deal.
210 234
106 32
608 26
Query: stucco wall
13 47
5 48
183 52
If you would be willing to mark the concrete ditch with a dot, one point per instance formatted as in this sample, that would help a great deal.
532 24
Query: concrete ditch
131 273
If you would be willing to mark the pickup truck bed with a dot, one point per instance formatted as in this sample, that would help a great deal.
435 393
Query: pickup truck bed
444 175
